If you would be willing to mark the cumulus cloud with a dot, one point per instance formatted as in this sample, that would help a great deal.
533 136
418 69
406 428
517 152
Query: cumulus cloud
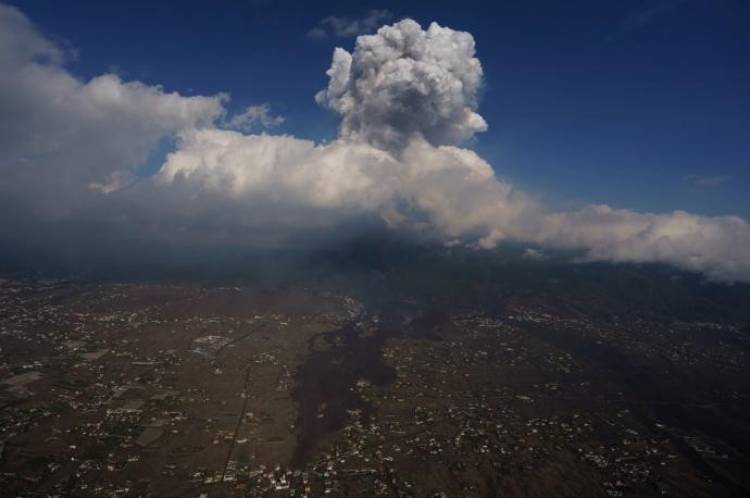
448 190
716 246
254 118
345 27
407 98
444 191
59 134
404 83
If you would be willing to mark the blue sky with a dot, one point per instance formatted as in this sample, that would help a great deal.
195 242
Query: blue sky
638 104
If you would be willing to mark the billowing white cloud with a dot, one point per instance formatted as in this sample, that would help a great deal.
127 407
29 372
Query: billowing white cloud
59 134
717 246
446 191
407 98
281 169
405 82
445 188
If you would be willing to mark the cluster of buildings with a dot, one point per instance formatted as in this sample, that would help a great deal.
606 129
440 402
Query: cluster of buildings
129 390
